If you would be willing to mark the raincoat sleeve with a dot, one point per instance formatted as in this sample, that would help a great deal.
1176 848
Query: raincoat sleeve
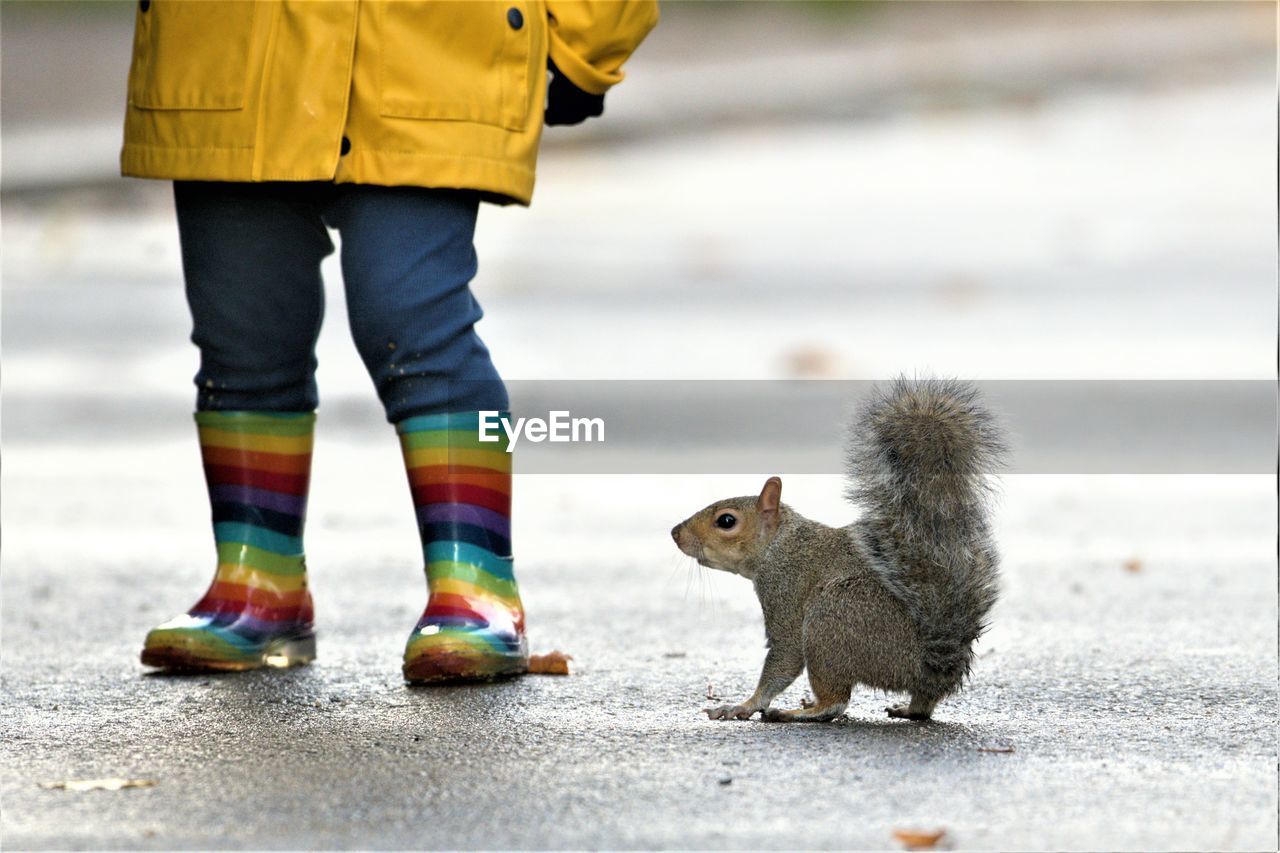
590 39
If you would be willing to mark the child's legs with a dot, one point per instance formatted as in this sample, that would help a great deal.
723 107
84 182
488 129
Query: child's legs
251 258
407 261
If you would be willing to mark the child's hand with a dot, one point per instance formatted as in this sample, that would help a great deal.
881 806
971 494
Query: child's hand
566 103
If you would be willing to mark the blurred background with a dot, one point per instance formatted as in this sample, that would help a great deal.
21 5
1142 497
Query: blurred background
819 190
802 190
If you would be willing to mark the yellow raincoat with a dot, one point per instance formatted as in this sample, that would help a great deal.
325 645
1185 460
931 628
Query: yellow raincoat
432 93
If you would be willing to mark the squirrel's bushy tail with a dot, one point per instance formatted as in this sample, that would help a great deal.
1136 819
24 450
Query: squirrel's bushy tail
919 457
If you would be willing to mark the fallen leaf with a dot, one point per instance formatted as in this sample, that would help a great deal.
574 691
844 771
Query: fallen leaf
552 663
914 839
1133 564
674 654
995 749
98 784
809 362
711 692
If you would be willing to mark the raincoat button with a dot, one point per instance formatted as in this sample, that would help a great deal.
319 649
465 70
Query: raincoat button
144 5
515 18
346 146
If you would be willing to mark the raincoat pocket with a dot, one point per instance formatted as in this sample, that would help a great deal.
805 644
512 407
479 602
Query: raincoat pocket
459 61
191 54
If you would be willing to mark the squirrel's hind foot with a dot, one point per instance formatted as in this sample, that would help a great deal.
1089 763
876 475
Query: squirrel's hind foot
911 711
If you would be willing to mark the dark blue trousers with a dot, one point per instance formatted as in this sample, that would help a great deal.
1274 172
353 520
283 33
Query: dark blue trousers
251 256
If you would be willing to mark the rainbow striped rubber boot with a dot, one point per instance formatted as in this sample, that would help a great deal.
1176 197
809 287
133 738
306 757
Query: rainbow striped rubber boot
473 627
258 610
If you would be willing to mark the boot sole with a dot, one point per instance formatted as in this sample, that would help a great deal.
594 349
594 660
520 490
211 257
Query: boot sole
278 654
445 667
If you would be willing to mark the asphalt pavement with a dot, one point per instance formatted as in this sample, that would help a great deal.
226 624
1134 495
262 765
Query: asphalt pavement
1124 699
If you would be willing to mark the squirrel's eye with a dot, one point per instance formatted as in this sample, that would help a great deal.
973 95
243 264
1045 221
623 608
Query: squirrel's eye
726 521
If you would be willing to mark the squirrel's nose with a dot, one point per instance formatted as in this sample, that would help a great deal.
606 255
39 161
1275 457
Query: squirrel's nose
675 534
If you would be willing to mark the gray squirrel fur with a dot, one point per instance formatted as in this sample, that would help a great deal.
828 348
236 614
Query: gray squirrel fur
893 601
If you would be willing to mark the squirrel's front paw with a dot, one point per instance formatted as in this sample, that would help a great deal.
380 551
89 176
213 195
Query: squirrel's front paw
732 712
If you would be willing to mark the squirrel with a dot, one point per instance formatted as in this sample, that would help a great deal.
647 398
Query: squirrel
893 601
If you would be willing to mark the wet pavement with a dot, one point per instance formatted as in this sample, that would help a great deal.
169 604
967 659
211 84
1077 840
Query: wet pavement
1125 698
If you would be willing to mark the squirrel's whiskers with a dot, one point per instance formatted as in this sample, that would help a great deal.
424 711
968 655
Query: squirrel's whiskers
707 588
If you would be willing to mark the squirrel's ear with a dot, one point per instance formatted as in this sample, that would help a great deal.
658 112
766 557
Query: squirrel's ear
770 496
